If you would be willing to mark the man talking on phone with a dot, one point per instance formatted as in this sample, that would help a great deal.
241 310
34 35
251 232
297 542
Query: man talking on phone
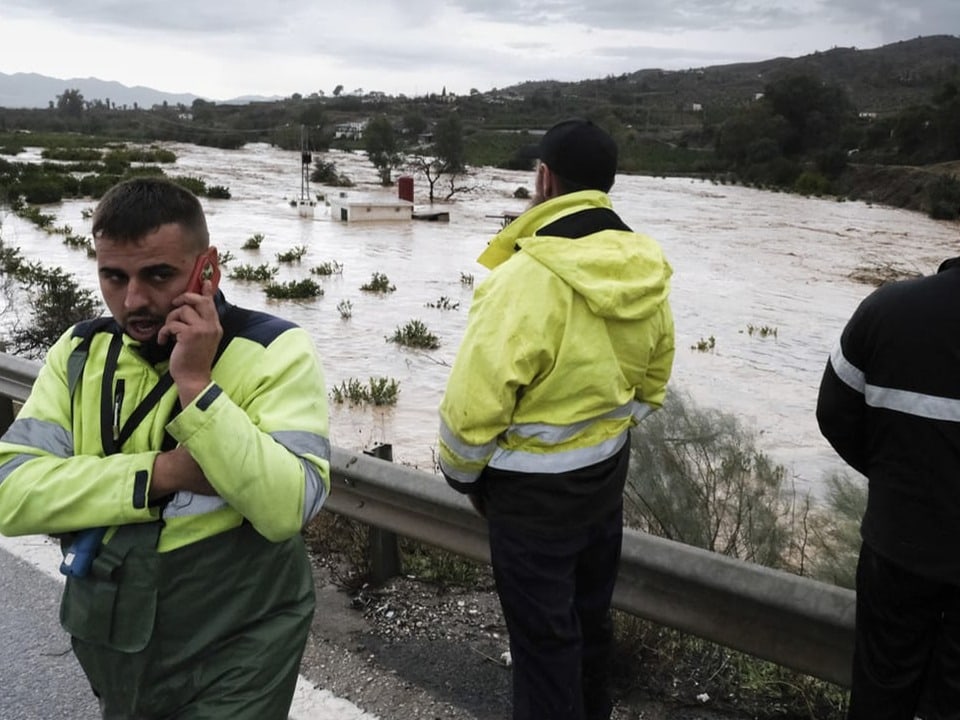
177 448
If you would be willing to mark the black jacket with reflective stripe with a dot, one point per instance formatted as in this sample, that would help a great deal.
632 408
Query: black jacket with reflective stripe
889 404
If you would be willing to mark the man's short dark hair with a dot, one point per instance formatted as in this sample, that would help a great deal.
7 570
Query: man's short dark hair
134 208
582 155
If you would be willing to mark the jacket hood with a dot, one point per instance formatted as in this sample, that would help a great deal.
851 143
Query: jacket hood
621 274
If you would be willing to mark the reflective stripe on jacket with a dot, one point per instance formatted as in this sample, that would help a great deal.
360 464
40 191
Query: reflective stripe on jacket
259 432
568 344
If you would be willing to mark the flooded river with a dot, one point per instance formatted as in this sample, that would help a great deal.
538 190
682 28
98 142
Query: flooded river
742 259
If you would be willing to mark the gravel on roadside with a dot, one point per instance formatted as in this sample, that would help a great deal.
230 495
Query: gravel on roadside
413 650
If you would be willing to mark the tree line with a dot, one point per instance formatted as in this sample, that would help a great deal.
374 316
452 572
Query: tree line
801 133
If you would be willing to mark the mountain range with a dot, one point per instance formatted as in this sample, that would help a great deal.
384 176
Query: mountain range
30 90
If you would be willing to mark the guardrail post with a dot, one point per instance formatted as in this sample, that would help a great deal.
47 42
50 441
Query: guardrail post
383 548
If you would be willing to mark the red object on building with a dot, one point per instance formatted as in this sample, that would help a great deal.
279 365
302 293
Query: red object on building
405 187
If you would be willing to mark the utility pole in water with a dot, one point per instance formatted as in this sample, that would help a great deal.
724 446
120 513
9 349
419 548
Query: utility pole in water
306 204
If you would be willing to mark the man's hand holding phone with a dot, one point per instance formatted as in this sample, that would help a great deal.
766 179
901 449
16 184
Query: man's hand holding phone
195 326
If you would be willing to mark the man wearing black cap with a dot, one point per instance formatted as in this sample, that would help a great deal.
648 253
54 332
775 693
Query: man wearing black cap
569 344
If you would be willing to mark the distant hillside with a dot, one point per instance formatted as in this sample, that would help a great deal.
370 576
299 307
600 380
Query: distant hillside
881 80
29 90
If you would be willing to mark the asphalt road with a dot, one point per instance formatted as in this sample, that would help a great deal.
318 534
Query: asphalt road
41 679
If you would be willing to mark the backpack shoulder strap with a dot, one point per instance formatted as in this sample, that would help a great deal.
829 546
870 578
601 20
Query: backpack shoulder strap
78 357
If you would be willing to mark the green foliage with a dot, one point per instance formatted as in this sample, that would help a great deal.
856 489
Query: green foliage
253 242
197 186
815 112
96 185
416 335
943 198
664 157
446 156
432 564
378 391
218 192
121 157
56 302
379 283
260 273
151 155
812 183
42 189
81 242
325 172
414 123
835 531
383 148
42 220
444 303
294 254
466 279
498 149
345 308
448 146
294 290
328 268
762 330
832 162
696 477
70 103
705 345
662 661
71 153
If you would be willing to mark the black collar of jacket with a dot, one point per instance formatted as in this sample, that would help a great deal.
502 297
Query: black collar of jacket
949 264
583 223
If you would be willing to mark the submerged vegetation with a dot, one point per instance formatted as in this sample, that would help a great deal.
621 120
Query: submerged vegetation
379 283
377 391
305 289
415 335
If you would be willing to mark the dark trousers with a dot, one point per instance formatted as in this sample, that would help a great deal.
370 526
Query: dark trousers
556 594
907 644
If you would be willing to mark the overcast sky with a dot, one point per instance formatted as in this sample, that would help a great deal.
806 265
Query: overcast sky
220 50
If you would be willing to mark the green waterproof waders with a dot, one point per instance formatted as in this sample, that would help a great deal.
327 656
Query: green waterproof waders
210 631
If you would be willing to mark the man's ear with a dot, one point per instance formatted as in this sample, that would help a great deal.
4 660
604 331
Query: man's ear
548 184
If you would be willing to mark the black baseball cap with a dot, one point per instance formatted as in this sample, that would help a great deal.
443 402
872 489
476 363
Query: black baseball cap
581 153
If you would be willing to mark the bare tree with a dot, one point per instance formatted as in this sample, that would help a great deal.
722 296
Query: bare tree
446 156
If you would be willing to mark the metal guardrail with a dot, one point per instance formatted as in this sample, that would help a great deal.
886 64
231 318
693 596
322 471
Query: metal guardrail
792 621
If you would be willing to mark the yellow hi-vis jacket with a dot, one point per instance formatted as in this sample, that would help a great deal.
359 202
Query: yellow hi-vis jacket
259 432
568 344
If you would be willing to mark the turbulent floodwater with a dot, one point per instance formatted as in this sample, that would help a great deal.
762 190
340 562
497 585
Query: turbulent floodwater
742 258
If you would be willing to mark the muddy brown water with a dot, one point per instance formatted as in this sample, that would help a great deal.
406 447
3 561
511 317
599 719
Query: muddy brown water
742 259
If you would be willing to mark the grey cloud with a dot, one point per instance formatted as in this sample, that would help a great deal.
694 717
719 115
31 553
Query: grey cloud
176 15
897 21
670 16
658 16
653 15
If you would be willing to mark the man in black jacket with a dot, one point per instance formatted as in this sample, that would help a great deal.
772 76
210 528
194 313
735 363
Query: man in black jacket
889 404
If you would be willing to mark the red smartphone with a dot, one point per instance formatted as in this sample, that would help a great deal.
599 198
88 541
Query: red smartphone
205 269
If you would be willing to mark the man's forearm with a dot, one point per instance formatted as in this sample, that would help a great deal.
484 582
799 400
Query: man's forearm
174 471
